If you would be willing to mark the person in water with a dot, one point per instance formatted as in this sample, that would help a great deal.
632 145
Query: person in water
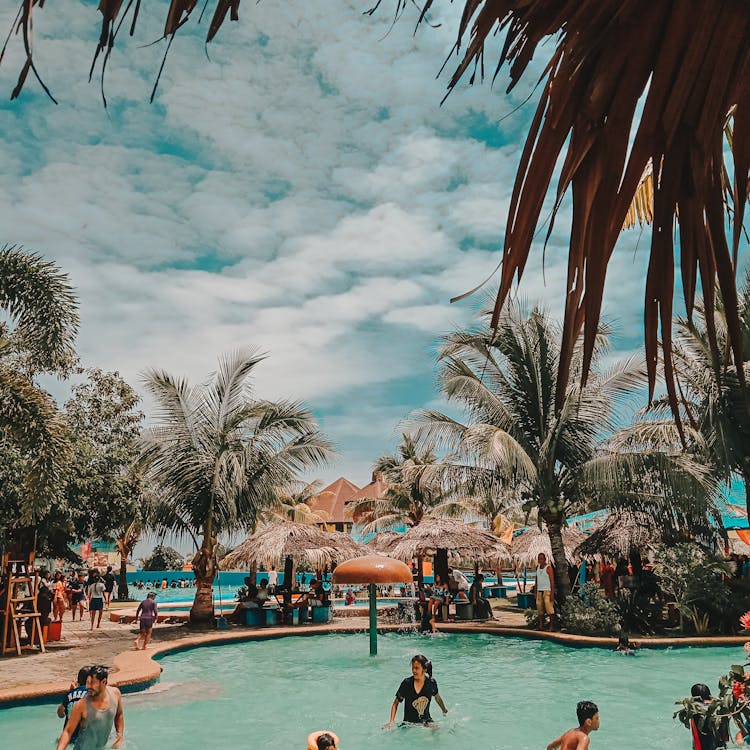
416 692
578 738
147 613
322 741
703 740
624 645
95 714
76 692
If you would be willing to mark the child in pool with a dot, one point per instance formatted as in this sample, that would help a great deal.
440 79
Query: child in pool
322 741
625 646
578 738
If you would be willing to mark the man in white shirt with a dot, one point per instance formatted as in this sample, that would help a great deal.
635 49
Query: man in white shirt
545 590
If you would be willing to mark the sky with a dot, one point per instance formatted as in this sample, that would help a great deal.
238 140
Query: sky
302 191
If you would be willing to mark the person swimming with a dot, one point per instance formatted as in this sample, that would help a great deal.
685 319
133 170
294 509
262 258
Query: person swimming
625 646
322 740
416 693
578 738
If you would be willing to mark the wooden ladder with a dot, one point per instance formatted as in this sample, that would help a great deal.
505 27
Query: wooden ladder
21 588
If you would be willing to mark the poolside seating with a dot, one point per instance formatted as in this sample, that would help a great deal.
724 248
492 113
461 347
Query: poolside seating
526 601
253 616
272 616
321 614
496 592
464 611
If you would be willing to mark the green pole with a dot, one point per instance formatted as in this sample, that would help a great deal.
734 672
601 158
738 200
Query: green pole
373 621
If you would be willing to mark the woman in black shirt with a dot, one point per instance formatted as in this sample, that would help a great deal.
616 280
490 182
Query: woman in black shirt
416 692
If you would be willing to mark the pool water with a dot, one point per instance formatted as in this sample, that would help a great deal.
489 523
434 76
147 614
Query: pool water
501 694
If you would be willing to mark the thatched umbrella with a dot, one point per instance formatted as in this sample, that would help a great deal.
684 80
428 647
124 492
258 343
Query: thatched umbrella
738 547
621 534
436 535
525 547
294 542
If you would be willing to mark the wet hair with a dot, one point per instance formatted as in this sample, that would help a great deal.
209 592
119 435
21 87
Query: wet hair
99 671
699 690
623 640
83 674
425 662
151 595
325 741
586 710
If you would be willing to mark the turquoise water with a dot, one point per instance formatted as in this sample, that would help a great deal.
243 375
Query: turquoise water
501 693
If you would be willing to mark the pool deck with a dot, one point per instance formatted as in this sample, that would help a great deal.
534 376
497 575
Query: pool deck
39 677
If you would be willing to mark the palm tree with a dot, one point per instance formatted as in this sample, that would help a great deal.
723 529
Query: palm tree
409 499
294 504
518 444
219 457
713 400
38 298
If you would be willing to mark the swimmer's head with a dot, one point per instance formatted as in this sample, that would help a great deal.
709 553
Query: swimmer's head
322 741
588 715
325 741
420 664
699 690
83 675
623 640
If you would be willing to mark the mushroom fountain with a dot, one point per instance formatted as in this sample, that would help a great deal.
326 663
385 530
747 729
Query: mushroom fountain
372 570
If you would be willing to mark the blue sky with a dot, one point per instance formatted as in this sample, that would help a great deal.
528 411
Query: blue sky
302 192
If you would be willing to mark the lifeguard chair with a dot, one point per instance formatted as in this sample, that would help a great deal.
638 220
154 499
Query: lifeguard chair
19 587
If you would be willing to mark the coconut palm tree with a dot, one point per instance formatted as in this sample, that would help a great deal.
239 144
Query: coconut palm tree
43 314
713 400
294 504
219 457
409 499
517 443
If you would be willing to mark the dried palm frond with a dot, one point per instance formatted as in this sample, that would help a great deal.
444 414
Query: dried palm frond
450 534
296 540
178 14
526 547
672 73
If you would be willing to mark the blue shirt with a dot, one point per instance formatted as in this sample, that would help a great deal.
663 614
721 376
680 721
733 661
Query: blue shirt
72 697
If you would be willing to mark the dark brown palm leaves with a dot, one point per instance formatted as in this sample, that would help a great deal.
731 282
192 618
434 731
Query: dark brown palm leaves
690 60
113 17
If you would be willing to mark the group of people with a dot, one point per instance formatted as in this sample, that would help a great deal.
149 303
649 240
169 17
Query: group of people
455 588
91 709
417 692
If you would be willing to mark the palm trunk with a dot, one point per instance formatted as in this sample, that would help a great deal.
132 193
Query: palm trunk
562 582
204 569
122 584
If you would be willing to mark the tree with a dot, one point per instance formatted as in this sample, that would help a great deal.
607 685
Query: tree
43 322
517 443
294 504
409 499
219 456
164 558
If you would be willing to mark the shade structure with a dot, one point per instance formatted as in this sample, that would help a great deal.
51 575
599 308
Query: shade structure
532 541
298 541
447 534
372 569
620 534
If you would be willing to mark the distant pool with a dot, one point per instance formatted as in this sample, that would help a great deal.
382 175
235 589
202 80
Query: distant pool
502 693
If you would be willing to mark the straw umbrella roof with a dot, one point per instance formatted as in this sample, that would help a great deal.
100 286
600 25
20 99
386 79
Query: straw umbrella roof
296 540
525 547
446 533
620 534
384 540
738 547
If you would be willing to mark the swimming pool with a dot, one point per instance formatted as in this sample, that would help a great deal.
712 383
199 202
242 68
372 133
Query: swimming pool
501 693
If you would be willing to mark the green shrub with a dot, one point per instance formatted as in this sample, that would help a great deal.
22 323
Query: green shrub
588 613
638 612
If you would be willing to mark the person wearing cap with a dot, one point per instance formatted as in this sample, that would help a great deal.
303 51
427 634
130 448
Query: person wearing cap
95 715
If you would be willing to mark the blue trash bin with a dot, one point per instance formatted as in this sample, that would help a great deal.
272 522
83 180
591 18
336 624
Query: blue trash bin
526 601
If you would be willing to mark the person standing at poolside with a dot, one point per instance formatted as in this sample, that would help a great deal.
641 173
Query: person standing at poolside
545 590
109 586
59 601
416 693
77 594
147 613
95 715
95 595
578 738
